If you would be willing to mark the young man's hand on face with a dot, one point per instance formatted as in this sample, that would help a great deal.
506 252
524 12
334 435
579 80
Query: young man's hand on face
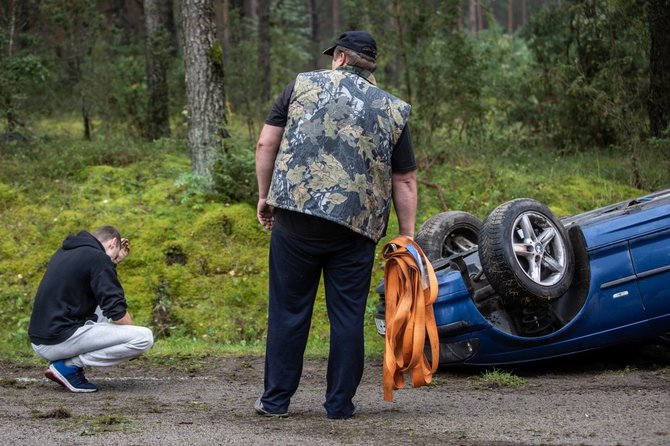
123 251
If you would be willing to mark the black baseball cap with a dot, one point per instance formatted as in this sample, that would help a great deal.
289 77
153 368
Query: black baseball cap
359 41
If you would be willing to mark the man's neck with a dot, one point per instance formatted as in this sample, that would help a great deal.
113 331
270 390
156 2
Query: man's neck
359 71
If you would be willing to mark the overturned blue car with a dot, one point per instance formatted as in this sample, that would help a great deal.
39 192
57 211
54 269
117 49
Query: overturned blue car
525 286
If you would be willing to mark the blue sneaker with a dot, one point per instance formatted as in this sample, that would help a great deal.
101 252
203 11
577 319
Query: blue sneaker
70 377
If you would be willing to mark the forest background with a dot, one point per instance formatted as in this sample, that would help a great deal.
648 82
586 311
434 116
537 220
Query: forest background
107 116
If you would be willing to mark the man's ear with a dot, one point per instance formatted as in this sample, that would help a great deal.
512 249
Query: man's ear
341 59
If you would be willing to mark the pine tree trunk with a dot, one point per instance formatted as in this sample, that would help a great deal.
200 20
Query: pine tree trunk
659 66
168 12
225 30
250 8
314 32
158 113
403 57
83 97
336 18
264 46
472 17
481 26
205 96
510 16
9 106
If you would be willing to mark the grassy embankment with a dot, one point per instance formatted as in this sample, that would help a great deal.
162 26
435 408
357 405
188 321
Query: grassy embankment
198 268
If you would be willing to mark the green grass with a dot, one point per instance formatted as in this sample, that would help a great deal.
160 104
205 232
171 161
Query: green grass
12 383
476 177
495 379
216 300
59 413
103 423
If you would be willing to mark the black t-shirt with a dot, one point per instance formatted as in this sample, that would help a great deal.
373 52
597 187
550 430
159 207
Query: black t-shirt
311 228
308 227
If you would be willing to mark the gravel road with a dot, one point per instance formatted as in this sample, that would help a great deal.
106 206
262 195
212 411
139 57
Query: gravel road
592 400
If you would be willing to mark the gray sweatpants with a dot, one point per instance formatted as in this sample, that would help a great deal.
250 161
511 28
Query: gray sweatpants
100 344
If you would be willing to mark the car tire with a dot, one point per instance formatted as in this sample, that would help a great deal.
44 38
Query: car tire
448 233
525 252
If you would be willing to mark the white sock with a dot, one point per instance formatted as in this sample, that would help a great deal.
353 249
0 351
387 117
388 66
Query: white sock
74 362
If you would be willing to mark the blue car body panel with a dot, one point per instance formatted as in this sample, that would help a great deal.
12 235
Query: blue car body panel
453 303
628 297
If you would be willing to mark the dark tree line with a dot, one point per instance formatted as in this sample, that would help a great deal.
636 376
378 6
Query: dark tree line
580 72
659 66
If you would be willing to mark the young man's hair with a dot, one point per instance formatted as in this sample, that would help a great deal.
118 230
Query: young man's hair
355 59
106 233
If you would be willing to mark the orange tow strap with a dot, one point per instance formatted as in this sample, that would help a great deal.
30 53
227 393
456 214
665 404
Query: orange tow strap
410 288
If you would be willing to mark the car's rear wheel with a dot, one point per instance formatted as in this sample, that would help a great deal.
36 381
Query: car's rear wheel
525 252
448 233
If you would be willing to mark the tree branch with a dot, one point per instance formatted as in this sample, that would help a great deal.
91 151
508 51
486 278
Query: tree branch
440 192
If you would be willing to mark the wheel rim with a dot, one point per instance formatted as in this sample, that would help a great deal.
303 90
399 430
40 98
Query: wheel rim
459 241
539 249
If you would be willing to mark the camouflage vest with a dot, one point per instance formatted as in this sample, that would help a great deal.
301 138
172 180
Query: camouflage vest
334 161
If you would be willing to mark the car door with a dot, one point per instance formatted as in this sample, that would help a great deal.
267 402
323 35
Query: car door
616 290
651 260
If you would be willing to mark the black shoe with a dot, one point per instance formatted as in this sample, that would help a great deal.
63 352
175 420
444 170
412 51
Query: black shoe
343 417
260 410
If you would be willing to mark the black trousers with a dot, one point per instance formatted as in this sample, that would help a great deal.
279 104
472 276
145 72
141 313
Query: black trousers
295 271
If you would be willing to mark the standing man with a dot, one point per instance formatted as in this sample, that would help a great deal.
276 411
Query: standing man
66 326
332 155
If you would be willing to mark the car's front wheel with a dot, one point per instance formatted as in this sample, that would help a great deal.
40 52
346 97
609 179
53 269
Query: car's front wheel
448 233
525 252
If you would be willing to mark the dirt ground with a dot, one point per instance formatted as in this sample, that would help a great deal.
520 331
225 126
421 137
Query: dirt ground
615 397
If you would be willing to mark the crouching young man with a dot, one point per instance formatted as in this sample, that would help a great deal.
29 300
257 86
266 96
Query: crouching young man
80 316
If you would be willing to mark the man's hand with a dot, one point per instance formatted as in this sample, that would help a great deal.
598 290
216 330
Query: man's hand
266 152
123 252
264 214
